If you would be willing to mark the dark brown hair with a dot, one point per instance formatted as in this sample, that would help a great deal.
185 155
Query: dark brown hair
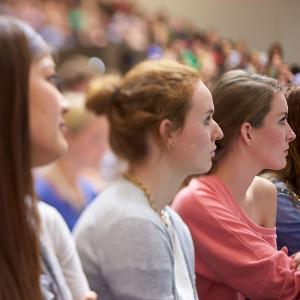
135 105
241 97
19 250
291 172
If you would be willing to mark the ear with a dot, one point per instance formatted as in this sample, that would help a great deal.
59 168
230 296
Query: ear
167 133
246 132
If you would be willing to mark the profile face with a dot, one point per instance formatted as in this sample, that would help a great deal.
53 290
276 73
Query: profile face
90 144
195 143
271 140
46 108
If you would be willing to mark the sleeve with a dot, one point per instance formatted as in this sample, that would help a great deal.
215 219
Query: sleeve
288 223
135 260
65 250
228 251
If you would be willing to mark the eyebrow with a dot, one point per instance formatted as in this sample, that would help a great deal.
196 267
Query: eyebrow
211 111
284 113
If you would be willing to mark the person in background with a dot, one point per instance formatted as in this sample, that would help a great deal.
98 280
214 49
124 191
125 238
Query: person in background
32 134
231 212
131 244
287 182
111 166
65 184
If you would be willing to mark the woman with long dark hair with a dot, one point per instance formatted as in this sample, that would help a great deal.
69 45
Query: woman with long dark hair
32 134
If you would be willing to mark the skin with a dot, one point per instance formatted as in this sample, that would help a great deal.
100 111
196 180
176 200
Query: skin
187 151
46 108
253 150
88 146
275 134
256 149
194 144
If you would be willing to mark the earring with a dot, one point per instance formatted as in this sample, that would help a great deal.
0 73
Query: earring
172 145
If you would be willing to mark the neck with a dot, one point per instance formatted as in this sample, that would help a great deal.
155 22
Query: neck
69 169
158 180
237 173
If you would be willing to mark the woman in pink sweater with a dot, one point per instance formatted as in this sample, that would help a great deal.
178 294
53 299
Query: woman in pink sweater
231 212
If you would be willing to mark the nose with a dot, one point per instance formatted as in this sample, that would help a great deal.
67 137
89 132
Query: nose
65 104
217 132
291 134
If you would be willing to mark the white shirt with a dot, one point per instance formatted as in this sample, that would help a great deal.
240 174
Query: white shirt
59 242
182 278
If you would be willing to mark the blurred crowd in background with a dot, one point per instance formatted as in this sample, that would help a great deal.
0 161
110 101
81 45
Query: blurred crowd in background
93 37
121 34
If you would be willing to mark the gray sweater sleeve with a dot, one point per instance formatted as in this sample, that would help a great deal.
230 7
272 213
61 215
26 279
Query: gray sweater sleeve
135 261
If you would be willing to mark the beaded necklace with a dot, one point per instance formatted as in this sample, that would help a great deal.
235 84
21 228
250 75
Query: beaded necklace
288 191
162 214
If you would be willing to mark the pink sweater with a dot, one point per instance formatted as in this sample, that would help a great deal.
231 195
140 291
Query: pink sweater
235 258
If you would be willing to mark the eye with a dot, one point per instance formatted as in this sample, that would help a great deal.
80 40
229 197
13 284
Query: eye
54 80
283 121
207 120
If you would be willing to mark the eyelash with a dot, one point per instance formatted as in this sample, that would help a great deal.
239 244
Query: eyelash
283 121
207 120
54 79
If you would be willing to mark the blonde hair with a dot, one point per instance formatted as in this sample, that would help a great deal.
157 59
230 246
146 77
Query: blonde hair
78 117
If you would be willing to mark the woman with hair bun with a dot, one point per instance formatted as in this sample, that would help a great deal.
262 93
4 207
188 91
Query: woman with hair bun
132 245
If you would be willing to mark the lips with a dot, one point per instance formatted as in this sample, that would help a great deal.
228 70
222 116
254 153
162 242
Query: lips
63 127
212 153
286 151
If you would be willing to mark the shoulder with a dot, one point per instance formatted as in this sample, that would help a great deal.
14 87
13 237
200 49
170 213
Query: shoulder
49 215
204 196
140 241
262 187
54 226
119 226
196 189
264 198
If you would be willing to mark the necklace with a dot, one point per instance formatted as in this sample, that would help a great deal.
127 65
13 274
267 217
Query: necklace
162 214
288 191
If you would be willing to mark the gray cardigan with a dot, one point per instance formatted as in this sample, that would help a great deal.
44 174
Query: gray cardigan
126 251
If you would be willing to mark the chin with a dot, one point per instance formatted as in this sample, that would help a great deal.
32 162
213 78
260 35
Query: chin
204 168
56 154
278 166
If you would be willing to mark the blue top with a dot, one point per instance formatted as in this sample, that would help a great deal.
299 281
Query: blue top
47 193
288 219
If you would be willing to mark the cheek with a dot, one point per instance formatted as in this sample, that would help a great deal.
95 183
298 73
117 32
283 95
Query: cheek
44 103
276 138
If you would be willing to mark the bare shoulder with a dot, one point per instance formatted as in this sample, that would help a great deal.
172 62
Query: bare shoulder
263 187
265 199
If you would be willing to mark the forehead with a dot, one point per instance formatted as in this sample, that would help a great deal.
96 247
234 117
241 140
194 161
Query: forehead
278 105
202 98
45 62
